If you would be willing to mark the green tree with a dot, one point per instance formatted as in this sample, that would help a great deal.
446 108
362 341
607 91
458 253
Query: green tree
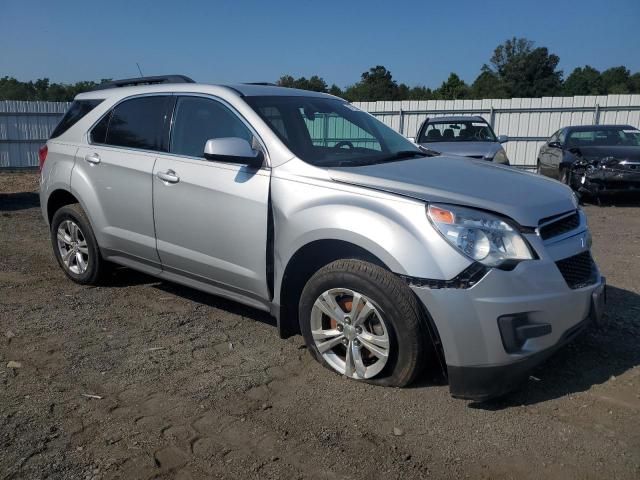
634 83
616 80
315 83
336 90
375 84
525 71
453 88
583 81
488 85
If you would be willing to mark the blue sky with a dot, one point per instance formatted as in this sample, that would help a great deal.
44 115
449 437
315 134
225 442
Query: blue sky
239 41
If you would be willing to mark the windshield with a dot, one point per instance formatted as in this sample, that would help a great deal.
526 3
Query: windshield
459 131
329 132
604 137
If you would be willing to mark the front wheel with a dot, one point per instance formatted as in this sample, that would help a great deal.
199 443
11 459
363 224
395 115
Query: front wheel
363 322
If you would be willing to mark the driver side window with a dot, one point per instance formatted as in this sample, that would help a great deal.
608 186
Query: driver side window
197 120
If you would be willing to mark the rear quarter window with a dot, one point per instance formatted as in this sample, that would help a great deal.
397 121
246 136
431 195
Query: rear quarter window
77 110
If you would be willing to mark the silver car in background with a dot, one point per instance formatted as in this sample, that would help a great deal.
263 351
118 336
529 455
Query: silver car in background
467 136
385 257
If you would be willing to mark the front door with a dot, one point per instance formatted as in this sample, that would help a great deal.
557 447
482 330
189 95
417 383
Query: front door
210 217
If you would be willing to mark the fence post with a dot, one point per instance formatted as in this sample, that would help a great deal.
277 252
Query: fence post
596 115
401 122
492 117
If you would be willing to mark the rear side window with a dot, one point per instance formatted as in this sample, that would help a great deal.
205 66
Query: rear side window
136 123
77 110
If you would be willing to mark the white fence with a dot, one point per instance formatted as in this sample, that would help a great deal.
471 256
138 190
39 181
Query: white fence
527 121
24 126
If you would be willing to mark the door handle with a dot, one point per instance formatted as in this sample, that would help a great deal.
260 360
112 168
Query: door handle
168 176
92 158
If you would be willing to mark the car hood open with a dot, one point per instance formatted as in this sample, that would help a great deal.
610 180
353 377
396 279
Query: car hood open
525 197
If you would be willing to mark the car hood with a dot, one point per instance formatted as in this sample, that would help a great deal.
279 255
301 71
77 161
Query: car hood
617 152
524 197
465 149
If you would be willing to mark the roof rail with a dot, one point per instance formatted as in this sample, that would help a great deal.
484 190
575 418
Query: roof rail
266 84
128 82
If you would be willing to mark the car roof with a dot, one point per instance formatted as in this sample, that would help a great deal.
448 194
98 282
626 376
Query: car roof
457 118
240 89
584 128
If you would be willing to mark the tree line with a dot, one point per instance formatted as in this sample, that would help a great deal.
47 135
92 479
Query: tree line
517 68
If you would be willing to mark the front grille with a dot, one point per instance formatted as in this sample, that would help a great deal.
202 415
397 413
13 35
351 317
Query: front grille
558 227
578 271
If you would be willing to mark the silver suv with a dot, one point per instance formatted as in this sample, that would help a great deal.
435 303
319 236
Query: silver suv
384 256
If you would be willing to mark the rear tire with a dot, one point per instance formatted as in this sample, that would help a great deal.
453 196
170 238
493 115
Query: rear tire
385 340
75 246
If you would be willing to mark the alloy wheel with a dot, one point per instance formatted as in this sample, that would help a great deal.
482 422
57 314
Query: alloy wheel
349 332
72 246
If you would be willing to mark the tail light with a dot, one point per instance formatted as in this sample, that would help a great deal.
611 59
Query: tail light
42 156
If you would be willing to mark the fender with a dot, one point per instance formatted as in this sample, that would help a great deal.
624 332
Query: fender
394 229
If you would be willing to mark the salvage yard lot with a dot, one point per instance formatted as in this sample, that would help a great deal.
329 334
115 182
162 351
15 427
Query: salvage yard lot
146 379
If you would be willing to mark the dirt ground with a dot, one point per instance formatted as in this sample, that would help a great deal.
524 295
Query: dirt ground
146 379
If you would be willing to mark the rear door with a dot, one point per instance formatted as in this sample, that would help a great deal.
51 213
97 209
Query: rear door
211 217
116 169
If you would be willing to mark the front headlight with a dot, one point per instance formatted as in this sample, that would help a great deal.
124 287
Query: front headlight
479 235
501 157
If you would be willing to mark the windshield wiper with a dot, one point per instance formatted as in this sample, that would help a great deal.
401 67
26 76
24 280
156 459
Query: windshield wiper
402 154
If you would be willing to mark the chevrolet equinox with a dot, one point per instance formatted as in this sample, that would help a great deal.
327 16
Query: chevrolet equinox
385 256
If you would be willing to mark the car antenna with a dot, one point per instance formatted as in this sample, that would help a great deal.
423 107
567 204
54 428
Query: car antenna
139 69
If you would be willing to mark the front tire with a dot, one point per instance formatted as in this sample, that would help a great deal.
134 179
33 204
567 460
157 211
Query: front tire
364 322
75 246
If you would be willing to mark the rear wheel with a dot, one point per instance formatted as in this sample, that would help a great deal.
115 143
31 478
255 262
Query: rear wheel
75 246
363 322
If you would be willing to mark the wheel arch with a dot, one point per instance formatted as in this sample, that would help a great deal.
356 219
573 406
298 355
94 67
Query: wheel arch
307 260
58 199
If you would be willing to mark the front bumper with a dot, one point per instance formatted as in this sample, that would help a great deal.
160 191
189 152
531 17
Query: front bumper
480 365
608 180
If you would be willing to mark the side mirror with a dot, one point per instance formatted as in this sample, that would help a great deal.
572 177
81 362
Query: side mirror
233 150
503 139
554 145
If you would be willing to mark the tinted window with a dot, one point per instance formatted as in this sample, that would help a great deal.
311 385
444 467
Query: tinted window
605 137
77 110
198 120
460 131
99 132
138 123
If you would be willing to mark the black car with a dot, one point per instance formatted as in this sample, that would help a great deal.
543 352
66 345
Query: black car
593 159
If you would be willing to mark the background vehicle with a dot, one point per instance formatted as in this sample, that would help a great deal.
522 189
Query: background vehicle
468 136
593 159
381 255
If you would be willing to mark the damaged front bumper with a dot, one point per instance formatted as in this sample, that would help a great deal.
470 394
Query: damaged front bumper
607 175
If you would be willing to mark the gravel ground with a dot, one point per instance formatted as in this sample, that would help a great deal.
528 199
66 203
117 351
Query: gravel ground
146 379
